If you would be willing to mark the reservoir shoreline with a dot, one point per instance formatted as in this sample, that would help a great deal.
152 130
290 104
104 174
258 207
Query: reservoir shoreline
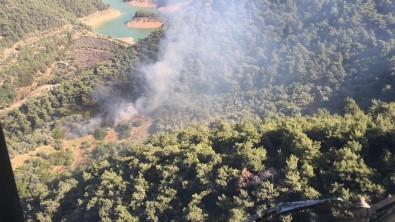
114 22
100 17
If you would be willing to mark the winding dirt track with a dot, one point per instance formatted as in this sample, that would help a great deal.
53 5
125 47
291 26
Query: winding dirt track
10 55
31 38
36 92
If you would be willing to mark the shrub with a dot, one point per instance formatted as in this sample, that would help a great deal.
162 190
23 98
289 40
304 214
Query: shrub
100 134
124 130
85 145
58 134
138 122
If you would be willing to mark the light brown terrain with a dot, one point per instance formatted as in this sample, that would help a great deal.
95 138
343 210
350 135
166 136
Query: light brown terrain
82 155
145 23
98 18
128 40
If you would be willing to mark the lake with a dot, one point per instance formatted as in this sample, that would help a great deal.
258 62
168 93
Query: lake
117 28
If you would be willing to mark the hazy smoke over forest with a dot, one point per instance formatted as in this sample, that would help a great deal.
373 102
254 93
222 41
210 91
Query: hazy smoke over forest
203 36
294 52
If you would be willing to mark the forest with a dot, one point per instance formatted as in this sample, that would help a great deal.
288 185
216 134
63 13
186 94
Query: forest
298 107
226 171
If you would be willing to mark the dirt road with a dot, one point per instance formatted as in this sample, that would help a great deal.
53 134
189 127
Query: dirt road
36 92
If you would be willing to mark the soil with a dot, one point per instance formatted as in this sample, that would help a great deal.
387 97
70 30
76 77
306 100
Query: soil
145 23
96 19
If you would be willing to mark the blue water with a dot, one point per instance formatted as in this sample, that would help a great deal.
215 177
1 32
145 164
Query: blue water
117 28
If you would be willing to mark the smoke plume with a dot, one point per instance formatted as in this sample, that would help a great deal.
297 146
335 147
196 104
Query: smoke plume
271 48
203 39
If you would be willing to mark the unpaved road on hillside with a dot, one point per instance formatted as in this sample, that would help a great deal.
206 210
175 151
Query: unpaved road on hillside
29 40
36 92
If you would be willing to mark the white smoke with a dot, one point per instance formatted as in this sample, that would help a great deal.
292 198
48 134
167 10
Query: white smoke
207 32
124 112
203 36
78 127
212 45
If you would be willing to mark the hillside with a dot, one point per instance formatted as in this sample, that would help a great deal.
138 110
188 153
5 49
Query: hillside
35 35
247 104
291 57
20 18
226 171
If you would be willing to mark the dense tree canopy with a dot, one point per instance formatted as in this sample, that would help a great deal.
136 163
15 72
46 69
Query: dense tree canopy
228 170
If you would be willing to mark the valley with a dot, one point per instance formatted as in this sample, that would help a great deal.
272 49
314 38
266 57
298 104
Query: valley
200 111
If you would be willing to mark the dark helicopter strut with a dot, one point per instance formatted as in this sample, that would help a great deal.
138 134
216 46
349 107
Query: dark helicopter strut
10 205
383 211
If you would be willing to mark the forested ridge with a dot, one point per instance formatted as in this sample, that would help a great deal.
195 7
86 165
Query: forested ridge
294 57
307 114
227 170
